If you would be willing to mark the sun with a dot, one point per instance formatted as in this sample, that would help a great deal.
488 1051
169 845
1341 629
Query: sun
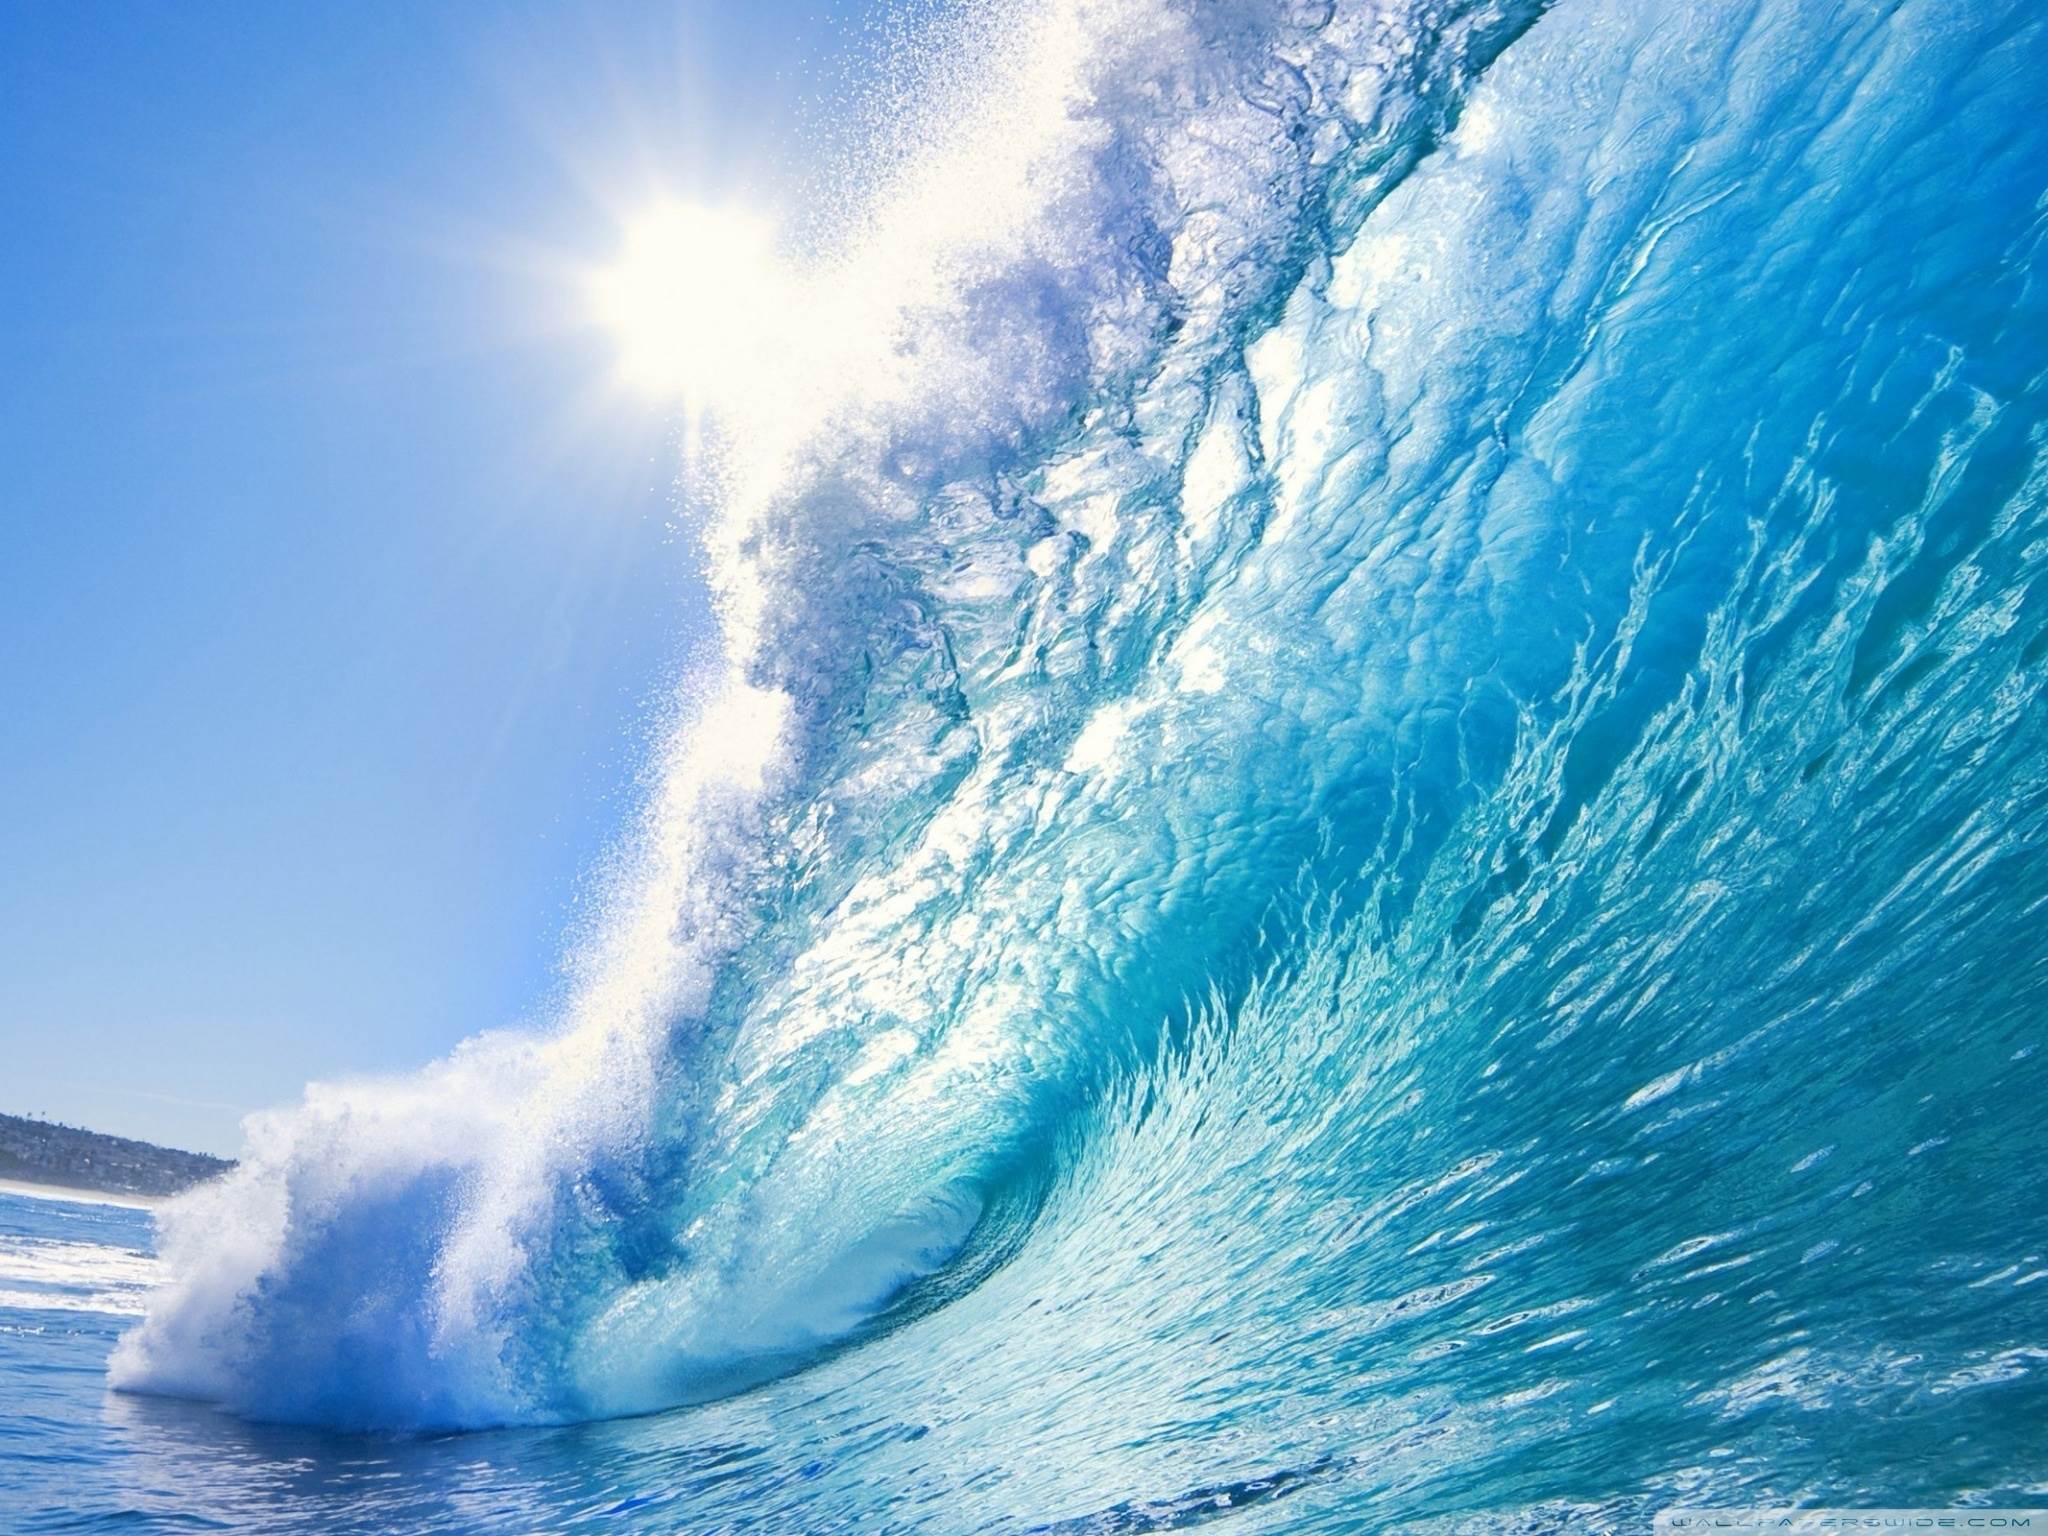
692 301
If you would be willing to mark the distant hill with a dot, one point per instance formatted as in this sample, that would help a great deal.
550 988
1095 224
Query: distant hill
43 1152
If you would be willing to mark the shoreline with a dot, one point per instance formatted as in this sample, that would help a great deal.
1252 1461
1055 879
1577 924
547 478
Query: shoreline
75 1196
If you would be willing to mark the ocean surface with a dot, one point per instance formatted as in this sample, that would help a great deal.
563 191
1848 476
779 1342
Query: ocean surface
1369 850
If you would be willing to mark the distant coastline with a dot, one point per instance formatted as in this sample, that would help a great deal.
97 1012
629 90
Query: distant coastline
45 1156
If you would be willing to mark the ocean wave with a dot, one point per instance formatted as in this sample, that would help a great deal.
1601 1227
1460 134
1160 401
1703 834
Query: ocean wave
1374 796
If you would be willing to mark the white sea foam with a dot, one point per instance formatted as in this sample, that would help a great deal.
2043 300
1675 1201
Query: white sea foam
50 1274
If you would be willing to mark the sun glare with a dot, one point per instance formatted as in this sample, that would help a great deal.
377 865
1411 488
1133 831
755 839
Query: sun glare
691 301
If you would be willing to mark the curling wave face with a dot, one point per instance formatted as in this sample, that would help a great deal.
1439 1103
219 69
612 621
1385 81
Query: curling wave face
1372 827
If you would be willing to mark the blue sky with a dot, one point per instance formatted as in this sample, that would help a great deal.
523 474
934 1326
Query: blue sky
340 577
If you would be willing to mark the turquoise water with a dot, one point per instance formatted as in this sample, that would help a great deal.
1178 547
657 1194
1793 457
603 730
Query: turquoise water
1368 854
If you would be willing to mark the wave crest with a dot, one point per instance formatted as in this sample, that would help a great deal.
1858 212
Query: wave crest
1319 582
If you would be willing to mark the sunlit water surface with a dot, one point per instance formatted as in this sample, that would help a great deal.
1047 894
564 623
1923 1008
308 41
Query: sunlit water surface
1373 854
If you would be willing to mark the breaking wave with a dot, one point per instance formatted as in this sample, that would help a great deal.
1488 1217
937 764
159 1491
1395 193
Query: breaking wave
1373 818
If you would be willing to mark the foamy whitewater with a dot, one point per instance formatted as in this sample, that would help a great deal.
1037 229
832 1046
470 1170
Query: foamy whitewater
1368 852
